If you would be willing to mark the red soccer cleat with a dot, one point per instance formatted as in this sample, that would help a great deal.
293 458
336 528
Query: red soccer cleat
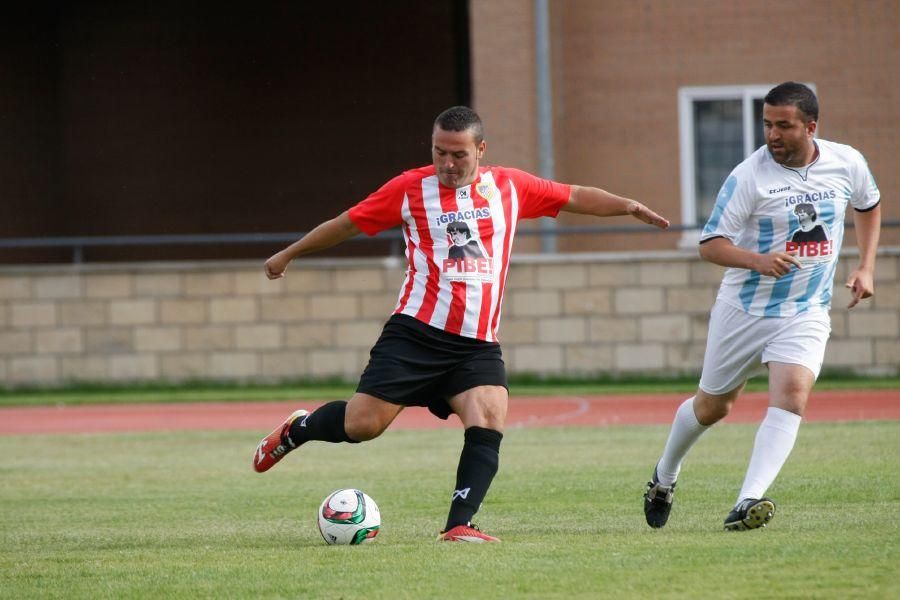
466 533
276 445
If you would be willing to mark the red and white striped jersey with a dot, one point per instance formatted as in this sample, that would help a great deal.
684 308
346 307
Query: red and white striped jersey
458 241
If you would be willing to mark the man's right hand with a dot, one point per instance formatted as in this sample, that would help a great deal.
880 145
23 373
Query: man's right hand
777 264
276 266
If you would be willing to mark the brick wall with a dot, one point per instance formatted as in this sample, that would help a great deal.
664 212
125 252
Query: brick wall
617 66
563 315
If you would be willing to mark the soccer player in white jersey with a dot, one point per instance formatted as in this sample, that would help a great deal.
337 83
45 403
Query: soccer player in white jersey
777 225
439 349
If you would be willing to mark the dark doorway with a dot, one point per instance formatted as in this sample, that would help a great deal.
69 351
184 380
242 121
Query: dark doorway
136 118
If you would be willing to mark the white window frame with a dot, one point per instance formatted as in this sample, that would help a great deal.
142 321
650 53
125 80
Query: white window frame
686 98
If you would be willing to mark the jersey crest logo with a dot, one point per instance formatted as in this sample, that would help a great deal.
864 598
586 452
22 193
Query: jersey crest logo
485 190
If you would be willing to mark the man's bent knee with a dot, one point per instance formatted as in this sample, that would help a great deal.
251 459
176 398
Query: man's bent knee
363 431
712 408
367 417
483 406
790 386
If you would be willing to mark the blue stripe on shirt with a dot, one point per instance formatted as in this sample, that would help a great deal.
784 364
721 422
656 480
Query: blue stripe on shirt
829 284
820 272
780 292
812 288
826 213
722 200
766 234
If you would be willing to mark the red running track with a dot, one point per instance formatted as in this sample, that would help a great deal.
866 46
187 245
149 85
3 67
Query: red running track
523 412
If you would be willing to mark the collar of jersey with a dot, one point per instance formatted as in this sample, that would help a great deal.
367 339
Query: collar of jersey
803 172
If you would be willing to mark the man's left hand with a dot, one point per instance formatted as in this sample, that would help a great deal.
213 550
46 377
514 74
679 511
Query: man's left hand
861 285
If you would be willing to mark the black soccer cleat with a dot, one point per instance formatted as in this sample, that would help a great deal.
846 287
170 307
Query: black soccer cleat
750 514
658 502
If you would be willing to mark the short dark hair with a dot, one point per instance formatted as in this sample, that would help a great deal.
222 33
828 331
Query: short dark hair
459 227
461 118
807 208
795 94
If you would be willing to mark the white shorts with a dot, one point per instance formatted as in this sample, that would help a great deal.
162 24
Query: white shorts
738 343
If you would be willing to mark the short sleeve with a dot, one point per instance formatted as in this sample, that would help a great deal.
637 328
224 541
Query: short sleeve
381 210
865 195
538 197
731 212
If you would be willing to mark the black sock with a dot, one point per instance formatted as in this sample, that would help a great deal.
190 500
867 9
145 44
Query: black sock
478 464
326 423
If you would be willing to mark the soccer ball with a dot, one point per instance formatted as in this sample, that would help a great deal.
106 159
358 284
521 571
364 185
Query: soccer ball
348 517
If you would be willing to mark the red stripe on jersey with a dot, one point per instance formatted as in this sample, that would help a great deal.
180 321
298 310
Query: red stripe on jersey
459 300
426 246
485 313
486 233
506 192
410 273
457 307
457 310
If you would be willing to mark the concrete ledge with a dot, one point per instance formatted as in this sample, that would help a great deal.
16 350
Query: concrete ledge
564 315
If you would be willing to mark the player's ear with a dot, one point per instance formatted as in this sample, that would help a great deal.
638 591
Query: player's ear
480 150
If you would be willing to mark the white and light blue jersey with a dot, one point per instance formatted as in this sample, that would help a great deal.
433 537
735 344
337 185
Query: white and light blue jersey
766 207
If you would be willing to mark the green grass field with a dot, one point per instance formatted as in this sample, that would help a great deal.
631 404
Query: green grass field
315 390
182 515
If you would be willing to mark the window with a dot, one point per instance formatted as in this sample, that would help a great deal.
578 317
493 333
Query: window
719 127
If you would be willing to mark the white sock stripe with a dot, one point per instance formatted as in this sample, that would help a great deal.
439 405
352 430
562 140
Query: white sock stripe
783 420
783 415
686 430
774 442
691 415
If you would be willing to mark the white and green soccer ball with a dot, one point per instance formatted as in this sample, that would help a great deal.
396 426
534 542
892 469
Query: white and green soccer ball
348 517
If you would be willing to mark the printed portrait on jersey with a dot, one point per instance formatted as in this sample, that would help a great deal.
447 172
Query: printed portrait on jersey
811 230
466 259
808 236
461 242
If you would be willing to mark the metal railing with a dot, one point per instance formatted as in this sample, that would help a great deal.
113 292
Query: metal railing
78 244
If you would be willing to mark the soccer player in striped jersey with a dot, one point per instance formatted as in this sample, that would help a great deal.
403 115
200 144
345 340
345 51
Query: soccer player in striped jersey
777 225
439 347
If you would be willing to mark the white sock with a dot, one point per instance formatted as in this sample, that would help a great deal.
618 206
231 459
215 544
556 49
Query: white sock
686 430
774 442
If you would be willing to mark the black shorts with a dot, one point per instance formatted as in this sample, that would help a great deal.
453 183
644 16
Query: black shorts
414 364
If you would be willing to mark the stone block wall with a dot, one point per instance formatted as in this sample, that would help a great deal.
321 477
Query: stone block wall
564 315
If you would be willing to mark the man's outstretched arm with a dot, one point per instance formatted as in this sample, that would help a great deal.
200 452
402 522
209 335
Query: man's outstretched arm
600 203
861 282
327 234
